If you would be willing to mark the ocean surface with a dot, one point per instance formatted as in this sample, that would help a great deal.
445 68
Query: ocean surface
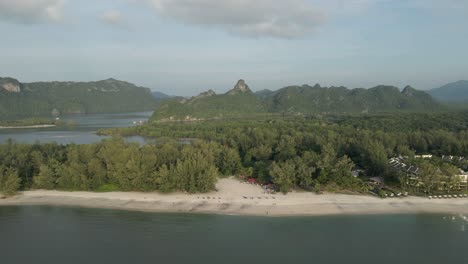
41 234
79 129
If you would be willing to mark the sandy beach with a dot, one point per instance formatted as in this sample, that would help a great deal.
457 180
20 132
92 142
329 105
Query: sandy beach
235 198
34 126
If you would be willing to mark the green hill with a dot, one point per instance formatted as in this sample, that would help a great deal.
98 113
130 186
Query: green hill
262 94
239 101
316 99
452 92
47 98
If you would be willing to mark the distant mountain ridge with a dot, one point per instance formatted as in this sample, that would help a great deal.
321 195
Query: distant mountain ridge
46 98
317 99
264 93
452 92
241 101
160 95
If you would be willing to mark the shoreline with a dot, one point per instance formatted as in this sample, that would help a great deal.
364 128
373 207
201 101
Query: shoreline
236 198
33 126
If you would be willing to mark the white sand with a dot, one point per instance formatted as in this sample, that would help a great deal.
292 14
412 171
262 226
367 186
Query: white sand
34 126
229 199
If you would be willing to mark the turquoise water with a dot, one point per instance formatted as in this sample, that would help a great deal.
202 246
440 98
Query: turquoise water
75 235
82 131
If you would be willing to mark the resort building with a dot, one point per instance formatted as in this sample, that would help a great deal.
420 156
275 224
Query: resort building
427 156
463 179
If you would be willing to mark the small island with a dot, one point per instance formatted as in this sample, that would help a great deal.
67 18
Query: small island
30 123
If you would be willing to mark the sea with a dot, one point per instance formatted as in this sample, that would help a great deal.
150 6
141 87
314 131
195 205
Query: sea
48 234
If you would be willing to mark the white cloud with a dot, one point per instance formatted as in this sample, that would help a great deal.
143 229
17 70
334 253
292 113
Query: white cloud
259 18
31 11
357 6
112 17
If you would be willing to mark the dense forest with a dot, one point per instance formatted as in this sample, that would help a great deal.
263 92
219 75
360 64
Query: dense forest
311 153
114 165
24 100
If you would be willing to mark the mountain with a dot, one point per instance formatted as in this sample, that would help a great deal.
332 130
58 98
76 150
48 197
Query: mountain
10 85
44 98
240 88
264 93
239 101
452 92
317 99
159 95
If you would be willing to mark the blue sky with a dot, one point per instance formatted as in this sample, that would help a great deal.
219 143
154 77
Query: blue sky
183 47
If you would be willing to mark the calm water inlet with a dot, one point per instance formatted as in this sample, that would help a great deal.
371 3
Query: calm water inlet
79 129
31 234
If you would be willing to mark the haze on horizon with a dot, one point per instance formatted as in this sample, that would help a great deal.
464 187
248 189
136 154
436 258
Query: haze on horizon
183 47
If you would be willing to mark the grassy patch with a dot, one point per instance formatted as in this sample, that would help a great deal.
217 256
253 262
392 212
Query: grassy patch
107 188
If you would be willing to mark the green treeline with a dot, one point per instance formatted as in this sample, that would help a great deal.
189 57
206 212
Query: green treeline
395 122
115 165
29 122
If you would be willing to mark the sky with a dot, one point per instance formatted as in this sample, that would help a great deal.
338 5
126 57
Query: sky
183 47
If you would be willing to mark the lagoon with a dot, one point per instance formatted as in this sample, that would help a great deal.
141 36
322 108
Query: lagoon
79 129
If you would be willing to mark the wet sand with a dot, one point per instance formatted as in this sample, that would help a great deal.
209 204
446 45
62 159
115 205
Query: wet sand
235 198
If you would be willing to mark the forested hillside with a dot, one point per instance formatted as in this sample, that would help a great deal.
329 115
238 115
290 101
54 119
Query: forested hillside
239 101
54 98
297 100
316 99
